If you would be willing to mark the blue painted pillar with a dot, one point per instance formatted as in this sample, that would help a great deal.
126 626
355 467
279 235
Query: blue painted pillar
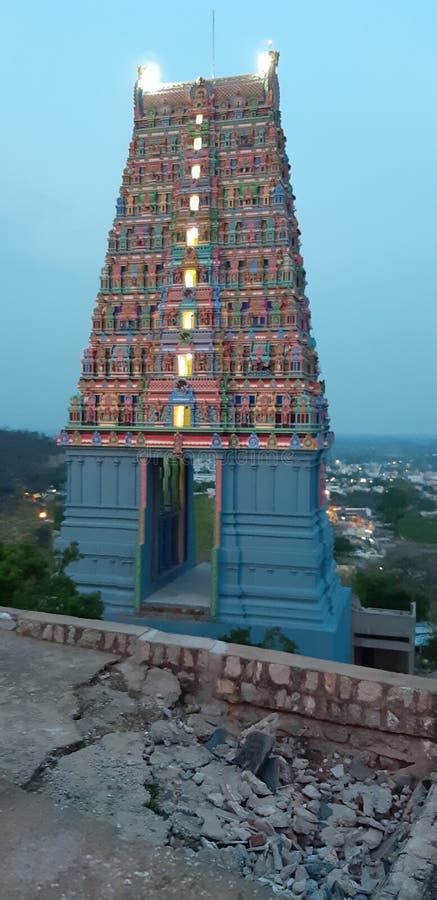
274 562
101 515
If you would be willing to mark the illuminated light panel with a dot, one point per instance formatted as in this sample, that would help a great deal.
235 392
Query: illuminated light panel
194 202
190 278
192 236
264 62
185 364
195 172
187 320
181 416
197 143
199 119
149 77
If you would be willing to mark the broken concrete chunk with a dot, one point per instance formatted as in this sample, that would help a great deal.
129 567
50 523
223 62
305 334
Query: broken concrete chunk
161 687
269 773
258 787
211 827
311 792
254 751
164 732
218 737
341 815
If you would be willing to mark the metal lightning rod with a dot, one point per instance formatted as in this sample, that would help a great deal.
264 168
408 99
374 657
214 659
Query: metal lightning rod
213 44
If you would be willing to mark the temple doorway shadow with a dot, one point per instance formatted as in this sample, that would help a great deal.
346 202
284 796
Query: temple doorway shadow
176 538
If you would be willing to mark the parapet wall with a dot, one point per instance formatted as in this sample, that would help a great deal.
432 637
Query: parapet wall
315 689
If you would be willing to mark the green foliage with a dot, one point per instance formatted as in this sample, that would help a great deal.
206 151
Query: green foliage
30 461
393 504
385 590
204 526
414 527
237 636
399 506
153 804
273 639
31 578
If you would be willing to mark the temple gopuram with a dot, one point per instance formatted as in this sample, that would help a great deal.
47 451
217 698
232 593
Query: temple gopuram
201 343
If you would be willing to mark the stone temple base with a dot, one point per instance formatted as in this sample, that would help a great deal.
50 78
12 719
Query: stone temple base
272 563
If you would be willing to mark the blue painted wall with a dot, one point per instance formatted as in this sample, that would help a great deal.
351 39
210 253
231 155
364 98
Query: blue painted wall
275 559
102 516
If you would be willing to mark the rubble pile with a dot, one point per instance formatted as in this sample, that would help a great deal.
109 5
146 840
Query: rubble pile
308 824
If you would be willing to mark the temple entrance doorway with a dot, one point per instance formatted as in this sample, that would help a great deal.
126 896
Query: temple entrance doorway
176 534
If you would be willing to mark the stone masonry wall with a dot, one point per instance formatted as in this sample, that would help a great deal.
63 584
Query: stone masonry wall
287 683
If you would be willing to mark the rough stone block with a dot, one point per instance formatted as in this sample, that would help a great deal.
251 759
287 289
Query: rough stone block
30 629
423 701
90 639
47 633
372 718
391 720
311 681
59 634
108 640
355 713
250 693
187 659
282 700
157 654
121 644
279 674
309 704
296 701
143 651
225 687
403 695
173 655
260 670
345 687
233 667
330 682
369 691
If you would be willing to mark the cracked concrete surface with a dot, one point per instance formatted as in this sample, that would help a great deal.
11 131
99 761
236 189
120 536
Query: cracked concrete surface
69 847
37 700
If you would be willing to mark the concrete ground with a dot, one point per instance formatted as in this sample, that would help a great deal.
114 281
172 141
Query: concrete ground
191 589
52 850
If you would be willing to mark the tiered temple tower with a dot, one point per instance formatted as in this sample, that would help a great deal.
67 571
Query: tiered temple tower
201 341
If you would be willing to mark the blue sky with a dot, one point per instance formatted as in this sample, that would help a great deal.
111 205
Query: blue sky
358 102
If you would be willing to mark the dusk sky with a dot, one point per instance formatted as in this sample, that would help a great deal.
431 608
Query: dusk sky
358 103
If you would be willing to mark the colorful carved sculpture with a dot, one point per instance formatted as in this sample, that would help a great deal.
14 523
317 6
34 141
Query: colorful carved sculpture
203 276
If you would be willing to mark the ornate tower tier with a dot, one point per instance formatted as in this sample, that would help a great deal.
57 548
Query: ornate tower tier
201 341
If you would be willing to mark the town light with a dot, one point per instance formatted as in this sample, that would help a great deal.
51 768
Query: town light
149 77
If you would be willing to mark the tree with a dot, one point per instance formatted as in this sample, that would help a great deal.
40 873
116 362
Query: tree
273 639
30 578
385 590
393 504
